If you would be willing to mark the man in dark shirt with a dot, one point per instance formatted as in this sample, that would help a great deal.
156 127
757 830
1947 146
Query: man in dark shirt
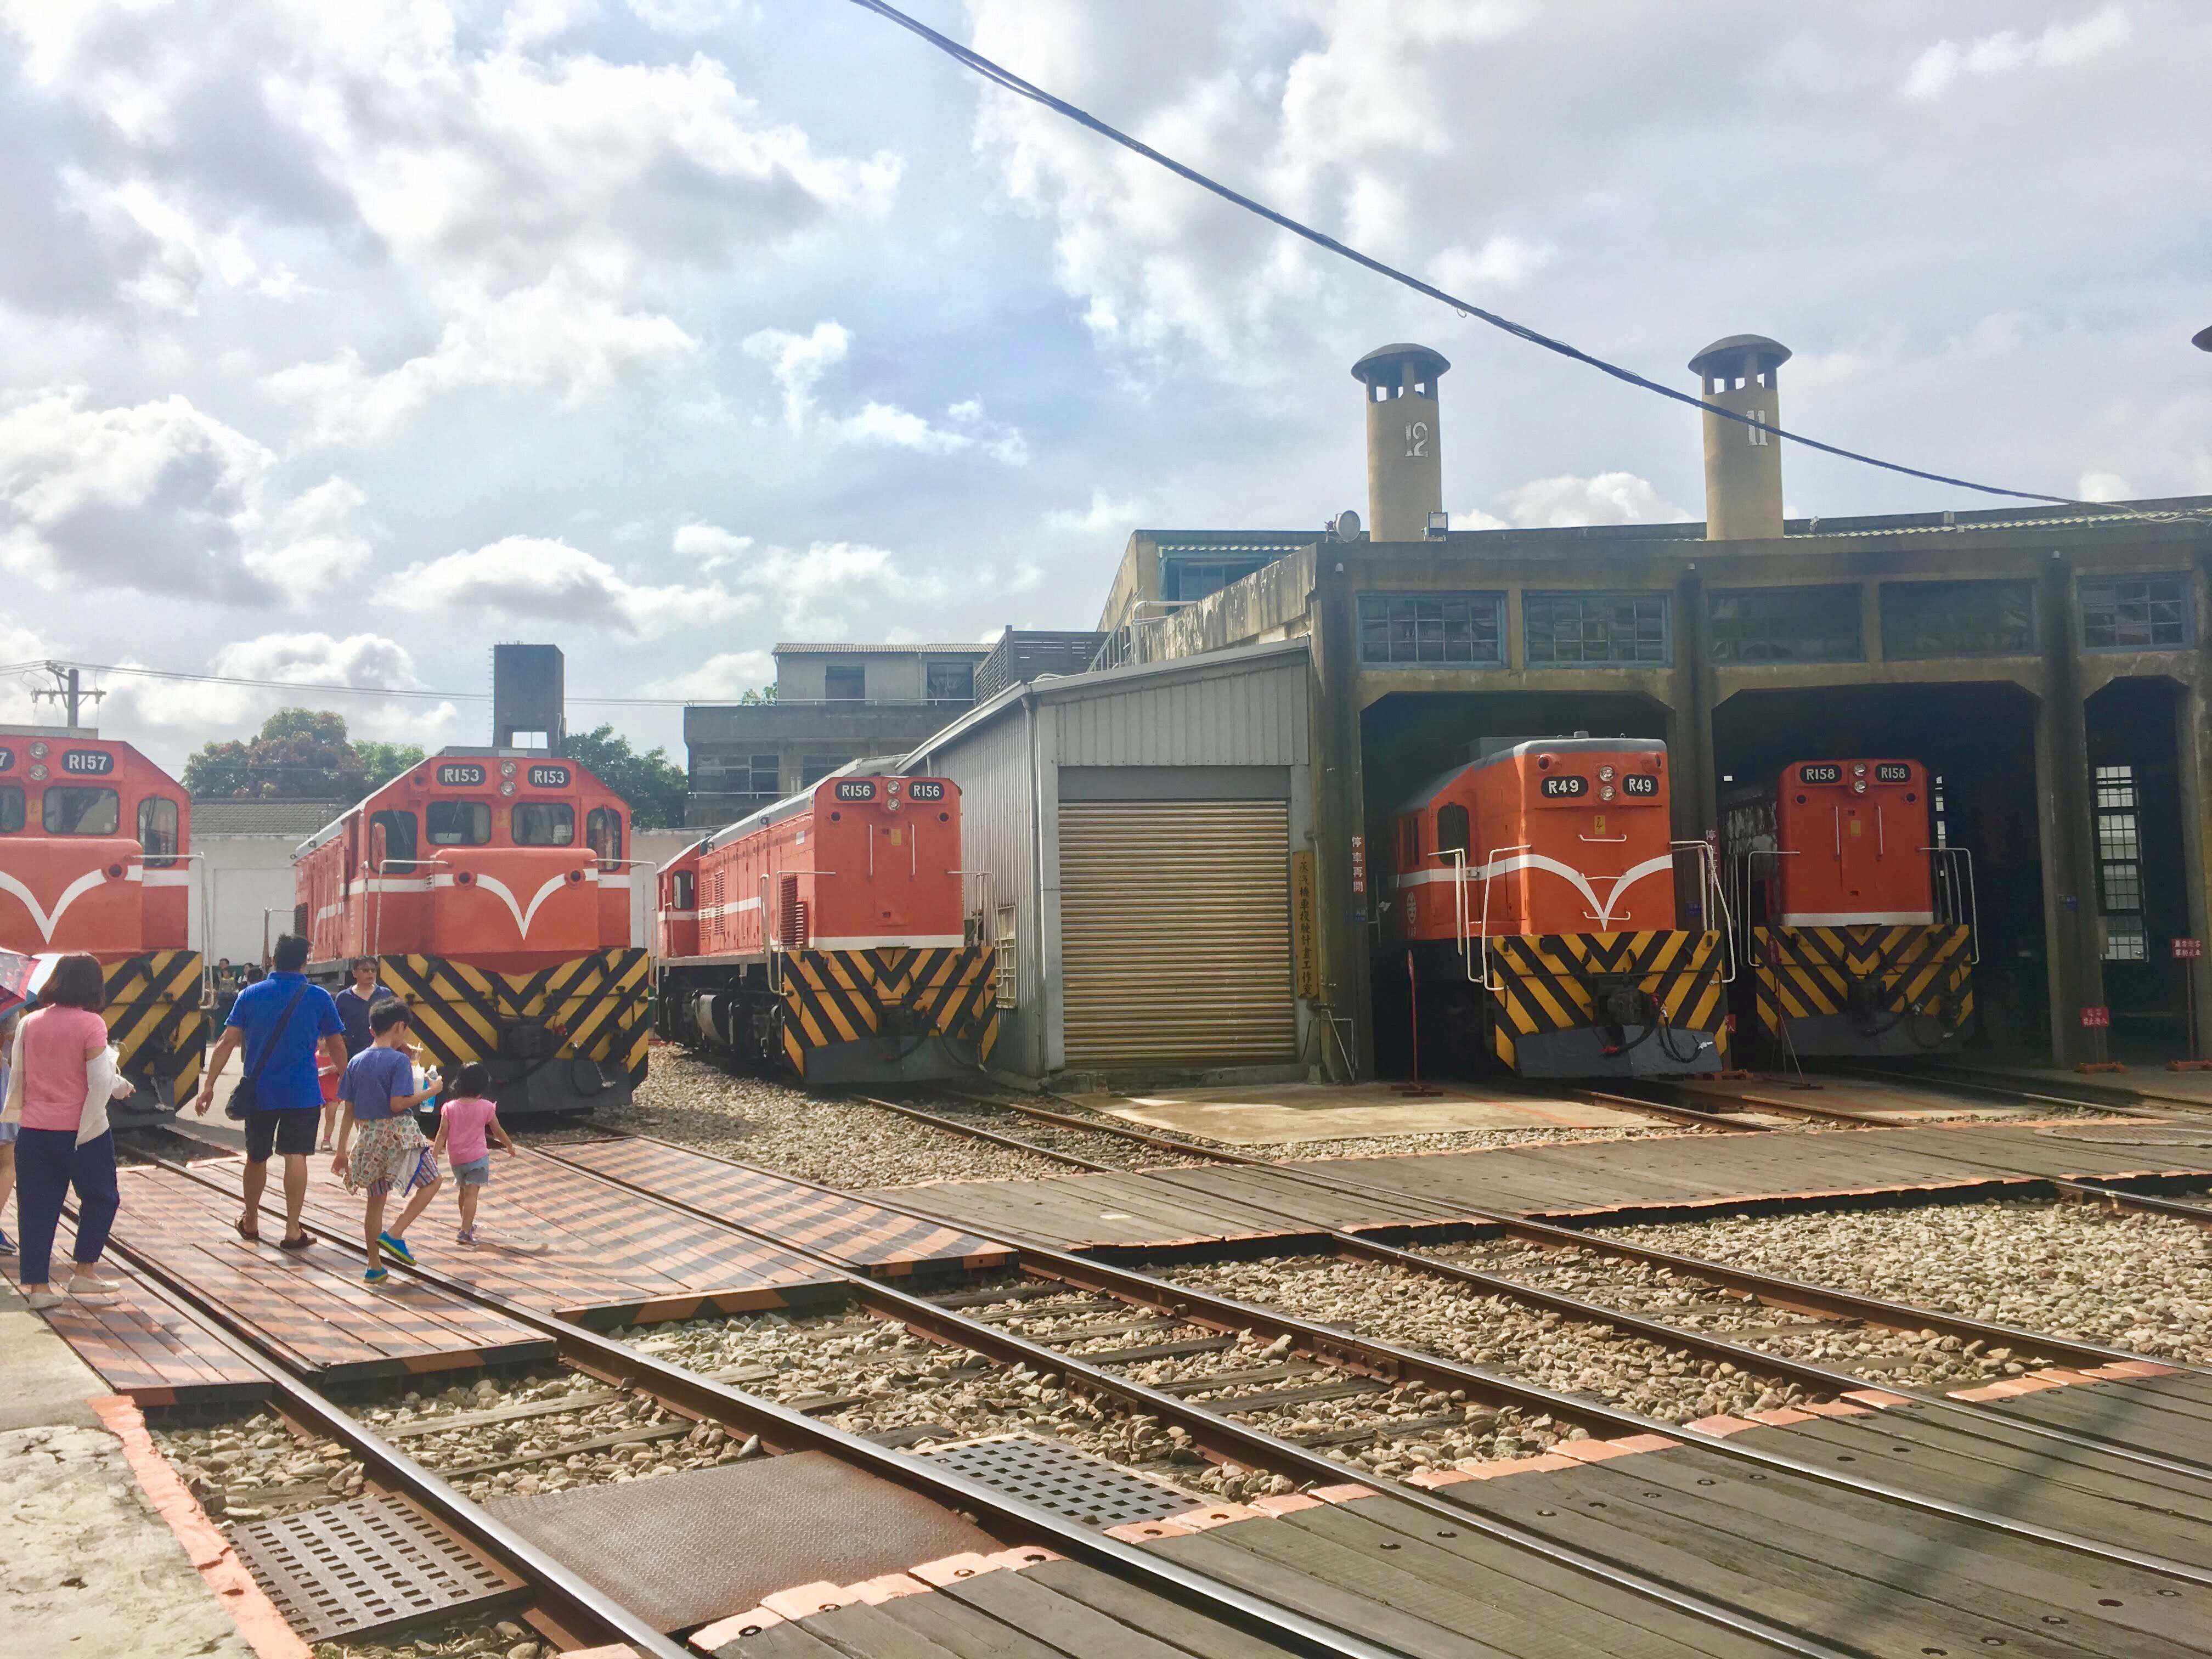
354 1002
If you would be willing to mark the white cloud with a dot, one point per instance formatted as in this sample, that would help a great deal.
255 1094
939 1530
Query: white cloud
798 362
715 548
815 590
2097 486
724 674
162 497
2007 51
1100 518
1607 498
534 577
691 16
555 336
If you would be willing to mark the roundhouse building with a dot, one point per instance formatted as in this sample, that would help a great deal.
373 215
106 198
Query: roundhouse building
2048 665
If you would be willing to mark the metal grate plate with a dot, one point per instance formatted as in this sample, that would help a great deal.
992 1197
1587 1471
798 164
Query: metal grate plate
370 1565
1055 1476
2130 1135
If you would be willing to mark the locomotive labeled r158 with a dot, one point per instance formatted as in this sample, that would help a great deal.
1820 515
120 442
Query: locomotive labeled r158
1535 890
827 935
1856 925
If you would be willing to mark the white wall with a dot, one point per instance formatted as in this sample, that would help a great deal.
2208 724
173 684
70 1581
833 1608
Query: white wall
242 875
658 846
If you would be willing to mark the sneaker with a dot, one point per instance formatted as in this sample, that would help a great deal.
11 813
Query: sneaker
375 1275
39 1301
464 1236
6 1244
398 1247
93 1285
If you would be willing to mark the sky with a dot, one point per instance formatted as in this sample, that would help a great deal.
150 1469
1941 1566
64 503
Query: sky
338 343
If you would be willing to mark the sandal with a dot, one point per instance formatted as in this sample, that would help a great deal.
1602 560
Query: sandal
301 1242
251 1237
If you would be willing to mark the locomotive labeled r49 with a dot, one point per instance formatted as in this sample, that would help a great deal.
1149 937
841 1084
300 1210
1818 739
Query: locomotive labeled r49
1856 925
827 935
1534 890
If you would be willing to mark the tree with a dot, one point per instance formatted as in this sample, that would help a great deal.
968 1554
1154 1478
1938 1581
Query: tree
300 754
654 785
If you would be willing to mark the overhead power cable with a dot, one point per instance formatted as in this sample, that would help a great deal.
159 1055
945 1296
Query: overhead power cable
1001 76
319 687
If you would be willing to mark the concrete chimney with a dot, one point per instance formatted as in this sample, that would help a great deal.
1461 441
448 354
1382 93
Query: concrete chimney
1405 476
1743 465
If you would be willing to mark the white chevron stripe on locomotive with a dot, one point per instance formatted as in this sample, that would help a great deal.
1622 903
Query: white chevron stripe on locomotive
70 894
1598 912
499 890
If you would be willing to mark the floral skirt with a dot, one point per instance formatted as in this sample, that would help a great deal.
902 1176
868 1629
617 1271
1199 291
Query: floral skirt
390 1152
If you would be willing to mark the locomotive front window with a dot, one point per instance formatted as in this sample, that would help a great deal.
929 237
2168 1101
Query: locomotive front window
398 830
157 831
544 824
1452 834
460 823
11 810
603 833
71 811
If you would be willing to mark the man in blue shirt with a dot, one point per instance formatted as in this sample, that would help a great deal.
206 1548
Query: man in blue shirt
280 1021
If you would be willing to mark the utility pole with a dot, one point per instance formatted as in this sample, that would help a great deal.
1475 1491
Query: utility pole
68 690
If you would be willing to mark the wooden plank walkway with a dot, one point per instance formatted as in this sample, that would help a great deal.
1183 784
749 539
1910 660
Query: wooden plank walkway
1582 1179
861 1235
144 1347
311 1304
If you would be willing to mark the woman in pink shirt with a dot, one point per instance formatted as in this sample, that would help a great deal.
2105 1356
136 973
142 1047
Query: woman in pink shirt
60 1078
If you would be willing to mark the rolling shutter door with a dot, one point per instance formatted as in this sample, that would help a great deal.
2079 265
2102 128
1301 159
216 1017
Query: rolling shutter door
1175 933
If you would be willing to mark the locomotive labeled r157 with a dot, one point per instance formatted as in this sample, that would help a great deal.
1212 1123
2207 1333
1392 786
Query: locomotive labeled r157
1534 890
827 935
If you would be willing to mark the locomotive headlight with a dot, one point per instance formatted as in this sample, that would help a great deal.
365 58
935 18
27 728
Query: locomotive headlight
1605 792
1858 771
1605 775
506 788
38 774
38 751
507 768
1858 785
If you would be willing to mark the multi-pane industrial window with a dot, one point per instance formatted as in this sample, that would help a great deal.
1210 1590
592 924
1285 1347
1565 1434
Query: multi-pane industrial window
845 682
1627 630
1787 625
2136 613
755 775
951 682
1957 619
812 769
1432 628
1194 579
2119 866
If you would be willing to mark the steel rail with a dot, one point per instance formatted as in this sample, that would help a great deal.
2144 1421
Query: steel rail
1842 1115
1719 1348
572 1601
780 1427
2141 1203
2095 1097
1207 1308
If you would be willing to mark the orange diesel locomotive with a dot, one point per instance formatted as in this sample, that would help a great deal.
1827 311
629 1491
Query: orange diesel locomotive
1533 890
1857 927
492 888
95 856
827 934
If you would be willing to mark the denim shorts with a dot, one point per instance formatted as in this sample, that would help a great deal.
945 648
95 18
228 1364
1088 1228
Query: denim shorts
8 1134
476 1173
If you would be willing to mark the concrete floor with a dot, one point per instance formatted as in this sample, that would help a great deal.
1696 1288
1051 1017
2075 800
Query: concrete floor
1286 1114
87 1568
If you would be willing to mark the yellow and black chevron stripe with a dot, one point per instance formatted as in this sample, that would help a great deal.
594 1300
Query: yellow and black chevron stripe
154 1016
1545 982
1886 970
597 1003
903 993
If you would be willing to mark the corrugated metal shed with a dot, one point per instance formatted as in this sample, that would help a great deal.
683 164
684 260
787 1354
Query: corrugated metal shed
1234 724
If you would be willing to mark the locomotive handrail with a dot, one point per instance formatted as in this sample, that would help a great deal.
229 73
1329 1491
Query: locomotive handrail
1489 873
1458 857
380 867
1606 841
1742 860
1709 872
984 913
1964 858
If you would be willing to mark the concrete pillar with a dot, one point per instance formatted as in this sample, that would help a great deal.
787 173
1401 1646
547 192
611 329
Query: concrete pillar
1694 789
1743 465
1405 465
1339 799
2071 932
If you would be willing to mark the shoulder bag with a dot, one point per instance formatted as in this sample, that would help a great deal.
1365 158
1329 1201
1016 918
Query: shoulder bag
243 1098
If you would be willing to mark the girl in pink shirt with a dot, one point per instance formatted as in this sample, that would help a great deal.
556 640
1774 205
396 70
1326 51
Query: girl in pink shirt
60 1078
464 1124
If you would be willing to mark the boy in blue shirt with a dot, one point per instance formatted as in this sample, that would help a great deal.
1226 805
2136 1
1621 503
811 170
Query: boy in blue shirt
378 1094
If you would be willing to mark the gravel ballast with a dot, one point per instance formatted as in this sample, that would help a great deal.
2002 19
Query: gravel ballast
2131 1281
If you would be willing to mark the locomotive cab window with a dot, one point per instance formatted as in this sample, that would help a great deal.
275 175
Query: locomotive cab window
398 830
460 823
11 810
72 811
1409 845
157 831
1452 834
681 887
603 833
543 824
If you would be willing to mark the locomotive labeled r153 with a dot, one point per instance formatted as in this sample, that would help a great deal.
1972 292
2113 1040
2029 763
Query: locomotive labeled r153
827 935
1535 890
1856 926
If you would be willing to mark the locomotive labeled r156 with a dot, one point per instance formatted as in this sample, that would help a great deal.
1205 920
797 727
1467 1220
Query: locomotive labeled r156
827 935
1534 890
1857 927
